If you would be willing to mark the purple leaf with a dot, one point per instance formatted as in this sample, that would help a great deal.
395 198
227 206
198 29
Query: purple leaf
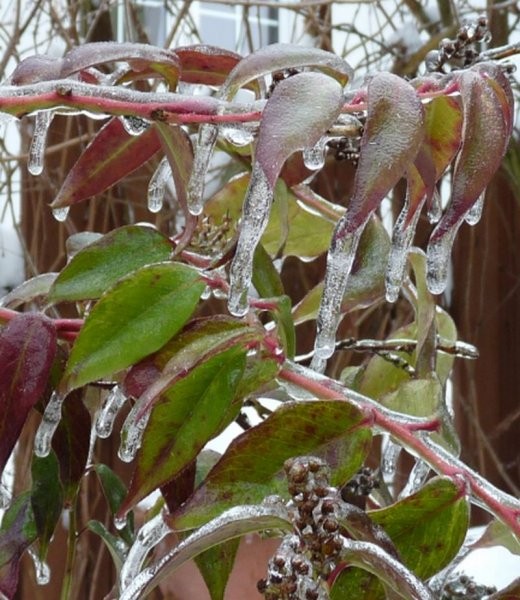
27 350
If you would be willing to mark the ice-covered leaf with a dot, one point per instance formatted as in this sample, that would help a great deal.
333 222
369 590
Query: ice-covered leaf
252 466
71 443
29 290
498 534
111 155
46 498
114 544
184 420
36 68
208 65
145 59
17 533
106 260
297 114
393 133
417 525
366 283
278 57
27 350
134 318
234 523
215 566
486 124
115 492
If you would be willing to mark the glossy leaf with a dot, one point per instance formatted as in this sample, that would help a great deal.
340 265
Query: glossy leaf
46 498
115 492
297 114
252 466
232 524
133 319
278 57
417 525
29 290
184 420
208 65
17 533
366 283
115 546
215 566
392 136
111 155
71 443
102 263
27 350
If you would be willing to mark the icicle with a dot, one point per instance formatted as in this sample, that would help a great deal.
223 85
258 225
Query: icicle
390 455
255 215
205 143
438 259
106 416
132 434
134 125
416 479
41 568
50 420
157 186
314 158
42 122
435 208
238 135
60 214
475 212
340 259
149 535
402 239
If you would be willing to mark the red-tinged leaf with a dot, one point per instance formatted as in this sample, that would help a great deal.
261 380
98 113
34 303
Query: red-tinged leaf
208 65
111 155
251 468
392 137
141 57
27 350
298 113
184 420
36 68
17 533
71 443
486 125
278 57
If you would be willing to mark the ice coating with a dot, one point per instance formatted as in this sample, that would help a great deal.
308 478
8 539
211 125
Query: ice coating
60 214
438 259
340 259
5 496
416 479
134 125
50 421
108 412
390 455
41 568
314 158
475 212
132 434
255 215
42 122
205 143
238 135
402 239
157 186
150 534
434 212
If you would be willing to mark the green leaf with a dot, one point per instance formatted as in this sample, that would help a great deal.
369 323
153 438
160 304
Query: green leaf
114 544
46 498
133 319
103 262
115 492
498 534
427 529
252 467
215 565
266 278
184 420
366 284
